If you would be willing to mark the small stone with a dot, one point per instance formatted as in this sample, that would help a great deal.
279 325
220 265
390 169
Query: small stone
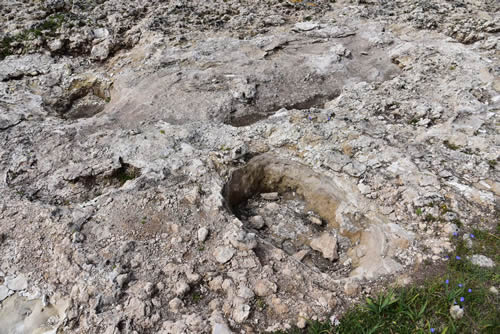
241 313
136 308
301 254
302 322
149 289
352 288
245 292
327 245
55 45
264 288
77 237
215 283
224 253
270 196
242 240
101 51
16 283
315 220
175 304
450 228
494 290
257 222
482 261
202 234
305 26
193 196
122 279
181 288
219 328
456 312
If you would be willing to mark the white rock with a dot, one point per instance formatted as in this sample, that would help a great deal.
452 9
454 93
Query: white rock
270 196
327 245
494 290
257 222
55 45
202 234
16 283
175 304
301 322
181 288
315 220
224 253
101 33
456 312
4 292
450 228
482 261
245 292
122 279
305 26
219 328
241 313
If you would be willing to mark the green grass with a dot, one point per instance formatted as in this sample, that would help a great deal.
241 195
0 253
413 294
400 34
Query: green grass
418 308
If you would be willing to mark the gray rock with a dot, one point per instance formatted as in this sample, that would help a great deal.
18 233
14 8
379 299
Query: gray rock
257 222
305 26
4 292
181 288
175 305
482 261
202 234
456 312
219 328
224 253
264 288
241 312
274 196
16 283
122 279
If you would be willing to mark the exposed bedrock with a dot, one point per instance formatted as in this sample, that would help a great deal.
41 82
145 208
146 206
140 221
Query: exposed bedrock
242 81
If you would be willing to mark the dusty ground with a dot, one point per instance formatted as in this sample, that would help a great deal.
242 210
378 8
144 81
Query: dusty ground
235 166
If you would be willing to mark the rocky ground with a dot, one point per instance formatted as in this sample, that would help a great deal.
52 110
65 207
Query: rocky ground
236 166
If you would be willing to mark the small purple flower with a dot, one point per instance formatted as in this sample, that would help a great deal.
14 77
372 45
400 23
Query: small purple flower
455 234
460 285
447 282
470 290
462 299
458 257
328 117
432 330
472 236
454 302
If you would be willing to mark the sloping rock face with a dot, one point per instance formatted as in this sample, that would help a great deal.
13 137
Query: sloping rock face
228 166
